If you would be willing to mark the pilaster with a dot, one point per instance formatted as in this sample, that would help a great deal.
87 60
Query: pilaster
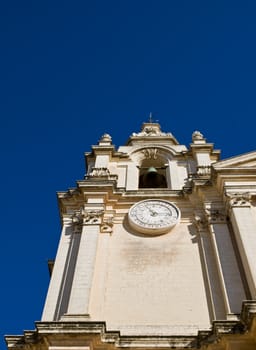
213 290
229 273
244 225
54 295
90 219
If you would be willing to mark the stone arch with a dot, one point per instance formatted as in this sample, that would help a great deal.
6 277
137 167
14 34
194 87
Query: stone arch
153 166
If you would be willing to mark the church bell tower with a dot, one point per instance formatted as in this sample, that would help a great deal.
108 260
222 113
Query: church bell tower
157 250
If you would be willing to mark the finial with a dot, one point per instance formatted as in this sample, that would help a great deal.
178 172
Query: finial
197 135
105 139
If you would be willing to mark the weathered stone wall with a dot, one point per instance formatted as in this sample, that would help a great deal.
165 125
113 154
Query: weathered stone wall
150 282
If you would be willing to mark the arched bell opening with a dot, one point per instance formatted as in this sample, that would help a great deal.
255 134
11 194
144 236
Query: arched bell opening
152 174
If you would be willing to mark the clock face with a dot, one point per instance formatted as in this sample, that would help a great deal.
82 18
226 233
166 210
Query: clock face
153 216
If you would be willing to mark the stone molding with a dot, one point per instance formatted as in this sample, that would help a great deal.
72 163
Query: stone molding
232 332
70 193
248 313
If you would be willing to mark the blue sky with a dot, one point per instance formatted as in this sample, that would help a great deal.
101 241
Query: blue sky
71 71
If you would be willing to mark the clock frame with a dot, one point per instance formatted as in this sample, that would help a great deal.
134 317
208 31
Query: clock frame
153 216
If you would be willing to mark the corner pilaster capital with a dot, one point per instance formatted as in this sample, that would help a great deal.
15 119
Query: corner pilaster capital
92 216
200 221
85 216
215 216
238 199
67 220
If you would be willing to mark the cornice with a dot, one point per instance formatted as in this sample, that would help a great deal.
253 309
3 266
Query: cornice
166 139
235 177
235 170
59 332
236 161
157 193
203 147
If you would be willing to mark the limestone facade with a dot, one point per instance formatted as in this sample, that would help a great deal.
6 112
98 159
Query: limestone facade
113 285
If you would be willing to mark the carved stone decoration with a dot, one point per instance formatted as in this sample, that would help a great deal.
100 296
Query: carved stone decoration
200 222
241 199
107 225
150 153
86 217
92 217
151 129
215 216
101 172
204 170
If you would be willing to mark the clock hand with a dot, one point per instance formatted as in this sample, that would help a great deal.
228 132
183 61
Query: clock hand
154 213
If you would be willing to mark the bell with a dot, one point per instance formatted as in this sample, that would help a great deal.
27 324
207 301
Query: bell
151 170
152 179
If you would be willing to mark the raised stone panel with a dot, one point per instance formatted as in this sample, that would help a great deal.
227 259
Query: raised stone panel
183 174
240 185
132 177
203 158
173 173
102 161
152 281
121 171
98 290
